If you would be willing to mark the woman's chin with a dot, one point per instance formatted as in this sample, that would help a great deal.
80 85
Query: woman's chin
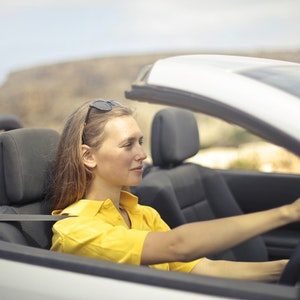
135 182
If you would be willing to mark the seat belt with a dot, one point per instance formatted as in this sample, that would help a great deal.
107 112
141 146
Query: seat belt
31 217
19 218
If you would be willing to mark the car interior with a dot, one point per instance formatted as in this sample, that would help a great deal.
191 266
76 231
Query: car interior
181 192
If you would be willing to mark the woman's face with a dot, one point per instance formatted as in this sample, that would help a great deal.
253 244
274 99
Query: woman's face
119 161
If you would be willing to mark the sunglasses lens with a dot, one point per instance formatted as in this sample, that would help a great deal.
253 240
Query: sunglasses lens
102 105
115 103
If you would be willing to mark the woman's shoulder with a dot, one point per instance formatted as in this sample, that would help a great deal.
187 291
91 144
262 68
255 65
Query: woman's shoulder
147 209
153 217
149 212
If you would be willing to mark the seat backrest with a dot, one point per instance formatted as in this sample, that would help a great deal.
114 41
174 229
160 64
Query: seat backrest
26 155
185 192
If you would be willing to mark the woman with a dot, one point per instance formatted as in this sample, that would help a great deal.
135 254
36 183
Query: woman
100 155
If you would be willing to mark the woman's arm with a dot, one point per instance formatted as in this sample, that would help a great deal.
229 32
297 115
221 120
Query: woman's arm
269 271
194 240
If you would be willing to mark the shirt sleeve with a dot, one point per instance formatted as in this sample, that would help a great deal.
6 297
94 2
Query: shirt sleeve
100 240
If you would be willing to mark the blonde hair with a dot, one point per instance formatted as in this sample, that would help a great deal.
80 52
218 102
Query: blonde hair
70 177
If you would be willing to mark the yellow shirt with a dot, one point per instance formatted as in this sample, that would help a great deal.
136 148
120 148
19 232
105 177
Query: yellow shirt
100 232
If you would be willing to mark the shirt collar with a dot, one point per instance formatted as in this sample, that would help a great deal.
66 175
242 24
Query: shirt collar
90 208
128 200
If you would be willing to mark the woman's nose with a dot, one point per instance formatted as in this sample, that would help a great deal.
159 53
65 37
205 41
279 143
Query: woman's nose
141 155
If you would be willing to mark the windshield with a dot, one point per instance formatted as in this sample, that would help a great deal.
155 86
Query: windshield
286 78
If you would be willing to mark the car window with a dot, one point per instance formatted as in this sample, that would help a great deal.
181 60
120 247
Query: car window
283 77
227 146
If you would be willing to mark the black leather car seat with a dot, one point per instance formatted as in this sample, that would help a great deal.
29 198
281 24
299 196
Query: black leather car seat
185 192
25 157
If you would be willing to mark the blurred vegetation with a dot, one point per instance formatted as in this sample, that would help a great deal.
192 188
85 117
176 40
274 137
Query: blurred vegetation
218 133
44 96
265 157
248 163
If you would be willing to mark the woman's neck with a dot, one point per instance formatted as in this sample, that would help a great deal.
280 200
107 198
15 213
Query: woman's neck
101 191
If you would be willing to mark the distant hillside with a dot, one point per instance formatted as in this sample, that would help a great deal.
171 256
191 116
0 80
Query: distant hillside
43 96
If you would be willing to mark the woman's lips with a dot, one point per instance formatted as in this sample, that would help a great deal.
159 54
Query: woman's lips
137 169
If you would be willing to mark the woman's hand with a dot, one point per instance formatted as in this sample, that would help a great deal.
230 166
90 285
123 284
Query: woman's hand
269 271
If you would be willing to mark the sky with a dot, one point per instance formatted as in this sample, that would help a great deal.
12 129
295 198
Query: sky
35 32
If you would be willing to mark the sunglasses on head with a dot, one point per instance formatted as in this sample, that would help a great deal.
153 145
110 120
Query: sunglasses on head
101 105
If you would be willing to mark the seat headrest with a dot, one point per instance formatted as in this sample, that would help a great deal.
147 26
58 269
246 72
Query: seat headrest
25 158
9 122
174 136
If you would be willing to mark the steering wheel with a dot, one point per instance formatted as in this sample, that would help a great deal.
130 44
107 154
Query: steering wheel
291 273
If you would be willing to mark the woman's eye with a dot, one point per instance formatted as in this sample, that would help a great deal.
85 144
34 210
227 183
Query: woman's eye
141 142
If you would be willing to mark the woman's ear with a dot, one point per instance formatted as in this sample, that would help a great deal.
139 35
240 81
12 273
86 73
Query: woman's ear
88 157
